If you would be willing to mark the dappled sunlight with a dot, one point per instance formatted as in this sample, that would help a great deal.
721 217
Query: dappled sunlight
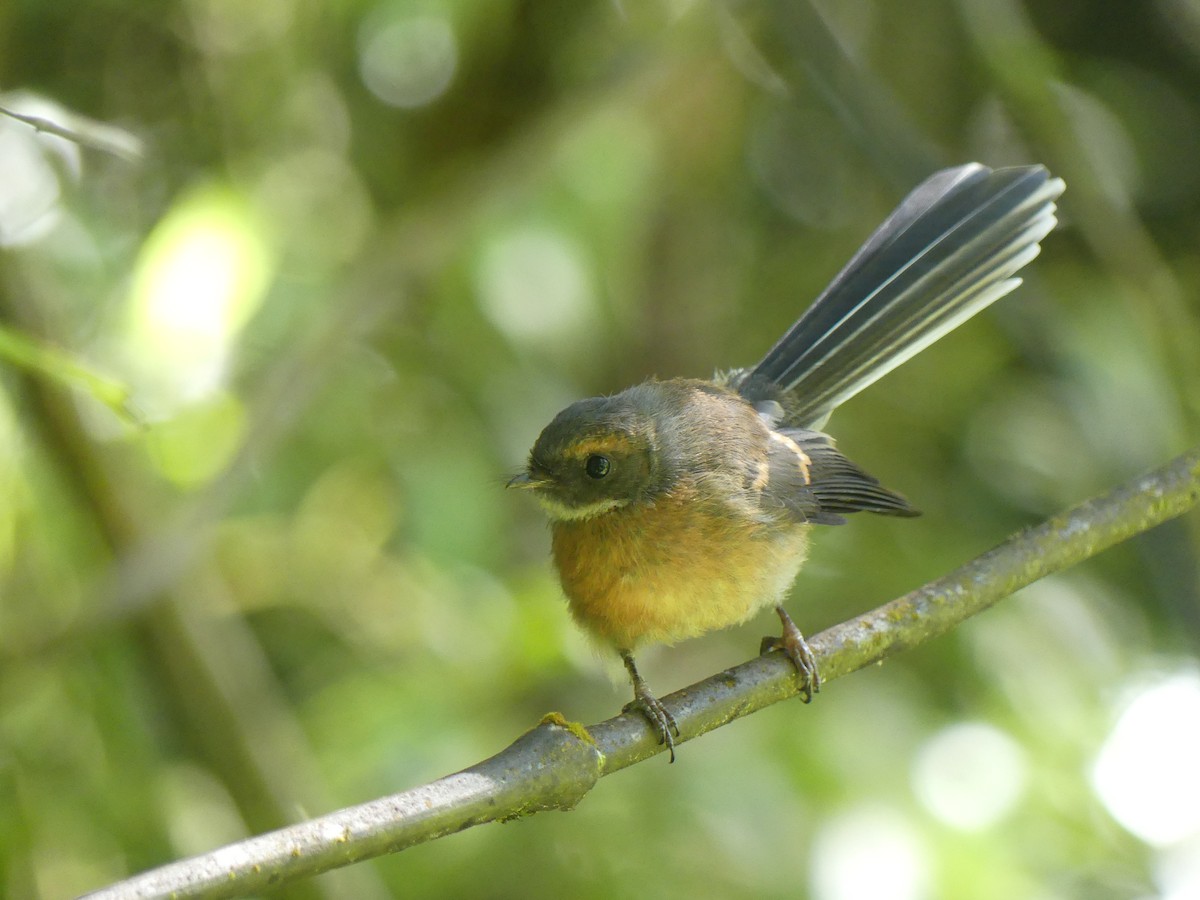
369 248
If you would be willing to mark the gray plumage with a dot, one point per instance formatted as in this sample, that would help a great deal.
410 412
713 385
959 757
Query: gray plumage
950 249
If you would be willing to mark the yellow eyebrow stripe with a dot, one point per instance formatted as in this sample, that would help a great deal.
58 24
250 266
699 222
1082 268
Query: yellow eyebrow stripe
609 443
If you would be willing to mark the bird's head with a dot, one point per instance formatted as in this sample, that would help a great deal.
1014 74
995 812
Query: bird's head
596 455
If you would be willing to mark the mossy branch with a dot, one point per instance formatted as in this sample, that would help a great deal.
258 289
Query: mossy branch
557 763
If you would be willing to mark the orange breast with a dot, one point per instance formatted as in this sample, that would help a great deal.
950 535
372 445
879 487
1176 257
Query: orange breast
662 572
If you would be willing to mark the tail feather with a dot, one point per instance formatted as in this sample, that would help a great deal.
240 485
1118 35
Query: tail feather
950 249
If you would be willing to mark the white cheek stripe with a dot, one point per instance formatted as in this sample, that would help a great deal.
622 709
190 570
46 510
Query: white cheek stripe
563 513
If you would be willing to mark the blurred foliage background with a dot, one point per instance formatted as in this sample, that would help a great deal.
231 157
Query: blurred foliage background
265 368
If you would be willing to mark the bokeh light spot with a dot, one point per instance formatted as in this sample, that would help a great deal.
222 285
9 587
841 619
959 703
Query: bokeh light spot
1148 771
232 26
318 208
534 284
201 275
869 854
1177 870
969 775
409 62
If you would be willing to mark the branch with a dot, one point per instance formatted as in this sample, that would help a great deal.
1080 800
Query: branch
557 763
40 357
93 135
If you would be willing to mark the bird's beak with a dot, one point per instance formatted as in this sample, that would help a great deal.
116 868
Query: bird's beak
526 481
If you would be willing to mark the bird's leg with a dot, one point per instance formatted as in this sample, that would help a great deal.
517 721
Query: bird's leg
792 643
647 704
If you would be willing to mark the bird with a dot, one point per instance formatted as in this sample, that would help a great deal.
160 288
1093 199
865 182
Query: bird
682 506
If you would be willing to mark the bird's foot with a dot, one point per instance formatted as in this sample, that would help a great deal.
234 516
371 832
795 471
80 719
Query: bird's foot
644 702
795 648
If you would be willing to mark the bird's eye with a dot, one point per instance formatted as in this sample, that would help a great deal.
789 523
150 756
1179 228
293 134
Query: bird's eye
597 466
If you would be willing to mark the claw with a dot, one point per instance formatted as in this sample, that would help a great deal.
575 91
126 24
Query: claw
649 706
795 648
656 714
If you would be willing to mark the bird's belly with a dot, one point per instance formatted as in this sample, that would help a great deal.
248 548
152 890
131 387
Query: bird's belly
665 572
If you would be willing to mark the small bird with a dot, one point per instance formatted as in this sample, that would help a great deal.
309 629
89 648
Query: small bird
682 506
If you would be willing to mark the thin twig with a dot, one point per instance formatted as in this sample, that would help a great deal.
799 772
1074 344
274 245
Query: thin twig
95 135
556 764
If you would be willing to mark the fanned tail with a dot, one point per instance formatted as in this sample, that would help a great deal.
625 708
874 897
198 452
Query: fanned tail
950 249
